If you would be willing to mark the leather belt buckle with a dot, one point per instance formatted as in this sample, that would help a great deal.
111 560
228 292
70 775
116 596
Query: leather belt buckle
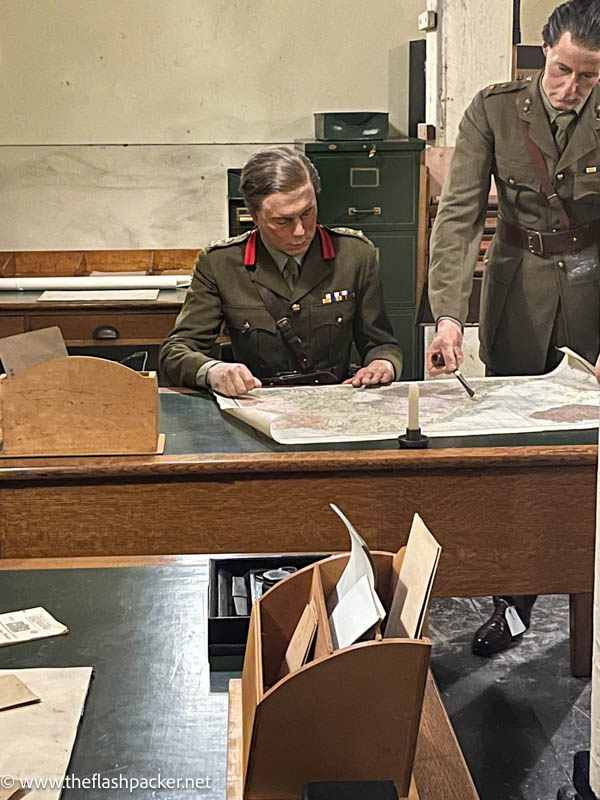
535 243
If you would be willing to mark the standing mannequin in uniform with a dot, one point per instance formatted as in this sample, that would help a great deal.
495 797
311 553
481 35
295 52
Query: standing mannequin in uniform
325 282
541 141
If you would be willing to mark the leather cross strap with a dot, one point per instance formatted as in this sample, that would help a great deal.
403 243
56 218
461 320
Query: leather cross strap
538 162
278 311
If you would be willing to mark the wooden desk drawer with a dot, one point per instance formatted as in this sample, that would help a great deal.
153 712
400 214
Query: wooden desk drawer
108 328
9 326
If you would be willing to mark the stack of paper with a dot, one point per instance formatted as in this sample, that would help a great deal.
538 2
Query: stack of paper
354 606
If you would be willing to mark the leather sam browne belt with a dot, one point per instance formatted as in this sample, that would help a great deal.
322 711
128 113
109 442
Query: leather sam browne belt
542 243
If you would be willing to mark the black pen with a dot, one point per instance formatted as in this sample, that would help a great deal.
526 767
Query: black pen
438 361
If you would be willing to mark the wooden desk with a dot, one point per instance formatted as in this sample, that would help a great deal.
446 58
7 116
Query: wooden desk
96 327
515 515
93 323
149 710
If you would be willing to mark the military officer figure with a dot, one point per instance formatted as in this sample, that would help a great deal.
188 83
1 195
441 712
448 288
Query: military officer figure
325 281
541 141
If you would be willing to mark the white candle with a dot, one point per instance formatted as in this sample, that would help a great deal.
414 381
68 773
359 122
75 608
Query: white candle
413 407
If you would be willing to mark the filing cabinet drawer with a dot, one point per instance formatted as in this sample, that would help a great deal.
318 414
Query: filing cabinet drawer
410 338
359 192
397 254
10 326
109 328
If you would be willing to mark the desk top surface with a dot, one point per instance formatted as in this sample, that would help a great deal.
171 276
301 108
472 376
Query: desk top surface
194 423
150 709
153 707
202 439
28 301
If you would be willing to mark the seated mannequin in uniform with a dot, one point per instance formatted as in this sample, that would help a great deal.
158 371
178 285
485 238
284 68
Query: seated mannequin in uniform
324 282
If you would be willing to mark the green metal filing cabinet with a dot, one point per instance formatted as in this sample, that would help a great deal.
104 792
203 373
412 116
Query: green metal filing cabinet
374 186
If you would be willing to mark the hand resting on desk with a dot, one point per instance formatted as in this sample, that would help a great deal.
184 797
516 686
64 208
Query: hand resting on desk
231 379
378 371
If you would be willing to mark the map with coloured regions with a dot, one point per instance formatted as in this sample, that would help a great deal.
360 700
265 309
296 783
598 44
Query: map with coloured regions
565 399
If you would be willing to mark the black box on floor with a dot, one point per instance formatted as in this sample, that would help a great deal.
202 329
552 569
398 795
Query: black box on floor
351 790
351 125
228 632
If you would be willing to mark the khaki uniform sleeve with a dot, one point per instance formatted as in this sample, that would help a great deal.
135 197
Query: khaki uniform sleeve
458 227
373 334
187 347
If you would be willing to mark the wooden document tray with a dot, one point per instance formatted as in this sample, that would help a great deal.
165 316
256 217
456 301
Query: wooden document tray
79 405
348 715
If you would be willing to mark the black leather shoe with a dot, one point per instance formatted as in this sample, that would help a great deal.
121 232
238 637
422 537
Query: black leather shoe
494 635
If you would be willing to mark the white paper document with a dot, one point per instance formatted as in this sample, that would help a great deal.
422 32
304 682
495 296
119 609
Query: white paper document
354 605
37 739
31 623
354 614
86 282
78 296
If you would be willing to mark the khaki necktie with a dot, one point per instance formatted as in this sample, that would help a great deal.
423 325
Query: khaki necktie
290 272
563 121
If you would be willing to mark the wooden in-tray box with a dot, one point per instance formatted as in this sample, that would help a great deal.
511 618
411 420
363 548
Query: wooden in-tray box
348 715
79 405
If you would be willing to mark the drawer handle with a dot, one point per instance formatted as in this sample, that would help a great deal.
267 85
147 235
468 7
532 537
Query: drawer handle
374 210
105 332
243 215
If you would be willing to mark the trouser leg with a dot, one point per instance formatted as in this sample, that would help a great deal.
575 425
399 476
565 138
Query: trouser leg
523 603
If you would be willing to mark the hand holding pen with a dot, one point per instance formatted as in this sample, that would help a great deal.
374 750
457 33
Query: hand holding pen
438 361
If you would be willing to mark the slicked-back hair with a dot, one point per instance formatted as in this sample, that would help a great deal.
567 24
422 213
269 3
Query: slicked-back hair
275 169
581 18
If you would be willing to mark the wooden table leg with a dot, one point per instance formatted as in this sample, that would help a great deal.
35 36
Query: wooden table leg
581 613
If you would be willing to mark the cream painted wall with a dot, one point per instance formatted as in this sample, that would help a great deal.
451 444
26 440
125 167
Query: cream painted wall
193 87
180 71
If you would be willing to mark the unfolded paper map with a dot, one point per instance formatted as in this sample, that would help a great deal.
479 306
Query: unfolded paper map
565 399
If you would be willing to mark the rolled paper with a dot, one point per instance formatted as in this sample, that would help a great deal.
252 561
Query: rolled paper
413 407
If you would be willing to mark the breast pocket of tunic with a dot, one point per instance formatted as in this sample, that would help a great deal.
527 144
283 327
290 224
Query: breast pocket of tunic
586 190
331 332
518 188
253 333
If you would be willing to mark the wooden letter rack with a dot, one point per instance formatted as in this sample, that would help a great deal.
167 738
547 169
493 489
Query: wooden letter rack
348 715
79 405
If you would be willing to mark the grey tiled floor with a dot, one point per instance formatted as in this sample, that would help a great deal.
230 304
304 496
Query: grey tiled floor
519 716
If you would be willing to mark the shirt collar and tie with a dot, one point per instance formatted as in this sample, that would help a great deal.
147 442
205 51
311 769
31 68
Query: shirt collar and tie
289 266
562 123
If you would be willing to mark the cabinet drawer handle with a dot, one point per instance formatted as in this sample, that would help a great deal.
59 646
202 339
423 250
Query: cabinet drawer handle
374 210
242 215
105 332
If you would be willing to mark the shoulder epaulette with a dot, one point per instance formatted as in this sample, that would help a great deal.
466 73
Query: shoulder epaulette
227 242
509 86
351 232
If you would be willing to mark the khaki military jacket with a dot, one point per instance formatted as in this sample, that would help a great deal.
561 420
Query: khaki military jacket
223 288
521 291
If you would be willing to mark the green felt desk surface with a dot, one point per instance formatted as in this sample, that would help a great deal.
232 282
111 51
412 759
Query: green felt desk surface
195 424
149 709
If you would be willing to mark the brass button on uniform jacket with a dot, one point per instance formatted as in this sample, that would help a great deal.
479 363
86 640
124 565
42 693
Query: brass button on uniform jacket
521 291
224 288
